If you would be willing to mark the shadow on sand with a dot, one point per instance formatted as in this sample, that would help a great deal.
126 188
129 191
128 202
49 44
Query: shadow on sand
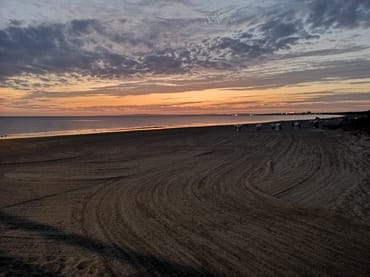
144 264
16 266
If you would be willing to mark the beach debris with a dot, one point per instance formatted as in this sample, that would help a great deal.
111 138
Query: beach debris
258 127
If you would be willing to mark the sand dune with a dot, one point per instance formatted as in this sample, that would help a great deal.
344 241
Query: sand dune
197 201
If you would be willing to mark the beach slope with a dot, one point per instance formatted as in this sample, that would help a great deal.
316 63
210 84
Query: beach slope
187 202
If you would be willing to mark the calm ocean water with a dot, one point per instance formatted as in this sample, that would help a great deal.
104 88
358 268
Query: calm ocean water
51 126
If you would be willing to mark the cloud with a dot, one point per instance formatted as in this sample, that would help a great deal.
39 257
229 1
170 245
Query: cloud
338 13
162 64
330 96
38 49
84 26
61 48
229 38
329 71
325 52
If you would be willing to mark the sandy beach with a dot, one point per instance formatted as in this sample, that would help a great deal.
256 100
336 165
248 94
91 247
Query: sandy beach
187 202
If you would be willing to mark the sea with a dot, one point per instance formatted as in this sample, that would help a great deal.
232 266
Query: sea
23 127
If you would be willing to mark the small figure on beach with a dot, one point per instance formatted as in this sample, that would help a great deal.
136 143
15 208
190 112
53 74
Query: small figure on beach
296 125
277 126
316 123
238 128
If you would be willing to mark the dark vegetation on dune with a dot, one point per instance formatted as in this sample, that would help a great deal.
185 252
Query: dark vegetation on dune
357 122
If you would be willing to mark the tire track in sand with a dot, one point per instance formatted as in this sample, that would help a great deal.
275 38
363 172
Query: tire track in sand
221 203
203 219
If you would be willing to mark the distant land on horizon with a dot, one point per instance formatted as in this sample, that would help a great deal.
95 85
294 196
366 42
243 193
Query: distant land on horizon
225 114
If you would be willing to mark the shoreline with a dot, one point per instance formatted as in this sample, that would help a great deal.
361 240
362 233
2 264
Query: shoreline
151 128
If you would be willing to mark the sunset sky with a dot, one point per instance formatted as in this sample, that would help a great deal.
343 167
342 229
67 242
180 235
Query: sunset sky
87 57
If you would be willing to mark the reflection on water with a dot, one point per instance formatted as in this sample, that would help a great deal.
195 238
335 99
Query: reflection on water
52 126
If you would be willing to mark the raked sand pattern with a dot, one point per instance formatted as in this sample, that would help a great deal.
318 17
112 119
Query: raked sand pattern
187 202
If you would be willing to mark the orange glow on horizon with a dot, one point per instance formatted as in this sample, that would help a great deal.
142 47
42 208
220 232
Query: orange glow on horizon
211 100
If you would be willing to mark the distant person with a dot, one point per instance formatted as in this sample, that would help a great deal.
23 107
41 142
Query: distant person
316 123
277 127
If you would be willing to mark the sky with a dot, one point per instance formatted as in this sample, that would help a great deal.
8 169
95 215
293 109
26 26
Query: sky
89 57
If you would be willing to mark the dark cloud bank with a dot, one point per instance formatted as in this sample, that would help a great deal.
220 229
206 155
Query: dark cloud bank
59 48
